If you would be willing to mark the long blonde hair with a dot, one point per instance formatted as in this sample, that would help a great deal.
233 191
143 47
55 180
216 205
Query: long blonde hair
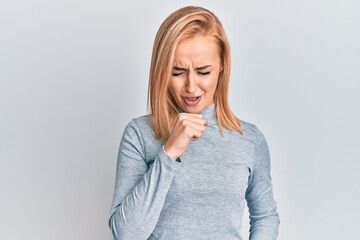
185 23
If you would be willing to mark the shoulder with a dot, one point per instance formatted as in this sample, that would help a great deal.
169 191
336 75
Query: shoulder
249 137
142 121
250 130
259 146
140 124
140 132
142 127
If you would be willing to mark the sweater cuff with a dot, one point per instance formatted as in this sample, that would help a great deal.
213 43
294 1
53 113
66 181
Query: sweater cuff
168 160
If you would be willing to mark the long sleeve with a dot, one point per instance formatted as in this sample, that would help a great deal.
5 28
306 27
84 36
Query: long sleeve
140 190
264 218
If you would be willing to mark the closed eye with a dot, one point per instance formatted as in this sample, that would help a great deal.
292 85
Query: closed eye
204 73
176 74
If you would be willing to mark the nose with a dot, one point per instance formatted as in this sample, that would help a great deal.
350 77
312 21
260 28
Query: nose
190 85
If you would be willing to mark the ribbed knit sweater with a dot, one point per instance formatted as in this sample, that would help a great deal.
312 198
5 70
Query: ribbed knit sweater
201 197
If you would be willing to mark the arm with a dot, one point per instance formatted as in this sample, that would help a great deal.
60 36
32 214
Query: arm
264 218
139 191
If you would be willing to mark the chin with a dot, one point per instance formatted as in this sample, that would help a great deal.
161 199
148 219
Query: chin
193 109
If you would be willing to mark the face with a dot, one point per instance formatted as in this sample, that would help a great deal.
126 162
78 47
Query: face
195 73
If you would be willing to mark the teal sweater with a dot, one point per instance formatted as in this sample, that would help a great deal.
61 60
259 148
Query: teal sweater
201 197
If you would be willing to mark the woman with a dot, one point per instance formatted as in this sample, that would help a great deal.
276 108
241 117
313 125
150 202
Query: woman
185 170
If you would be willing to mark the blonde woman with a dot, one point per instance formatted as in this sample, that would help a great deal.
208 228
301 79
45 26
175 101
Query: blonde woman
186 170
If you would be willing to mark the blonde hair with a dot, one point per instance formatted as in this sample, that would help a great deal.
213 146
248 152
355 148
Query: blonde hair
182 24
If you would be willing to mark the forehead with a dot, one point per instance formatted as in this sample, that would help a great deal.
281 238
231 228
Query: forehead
197 49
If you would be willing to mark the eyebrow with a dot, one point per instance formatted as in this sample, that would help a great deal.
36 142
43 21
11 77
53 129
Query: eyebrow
184 69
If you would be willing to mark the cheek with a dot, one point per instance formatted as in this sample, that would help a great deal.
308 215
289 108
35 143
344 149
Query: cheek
174 87
209 84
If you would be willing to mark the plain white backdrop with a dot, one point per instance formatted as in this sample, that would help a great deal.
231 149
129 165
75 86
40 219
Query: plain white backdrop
74 73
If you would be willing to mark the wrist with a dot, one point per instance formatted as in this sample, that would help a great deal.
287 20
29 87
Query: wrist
170 153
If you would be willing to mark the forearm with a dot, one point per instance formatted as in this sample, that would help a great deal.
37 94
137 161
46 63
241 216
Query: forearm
136 215
265 227
264 217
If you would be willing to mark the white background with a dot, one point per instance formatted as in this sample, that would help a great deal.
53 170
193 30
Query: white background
73 73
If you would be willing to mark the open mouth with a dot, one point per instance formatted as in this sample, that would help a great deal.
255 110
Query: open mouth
191 101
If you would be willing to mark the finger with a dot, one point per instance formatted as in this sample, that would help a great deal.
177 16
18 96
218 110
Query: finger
187 118
194 135
195 125
196 115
